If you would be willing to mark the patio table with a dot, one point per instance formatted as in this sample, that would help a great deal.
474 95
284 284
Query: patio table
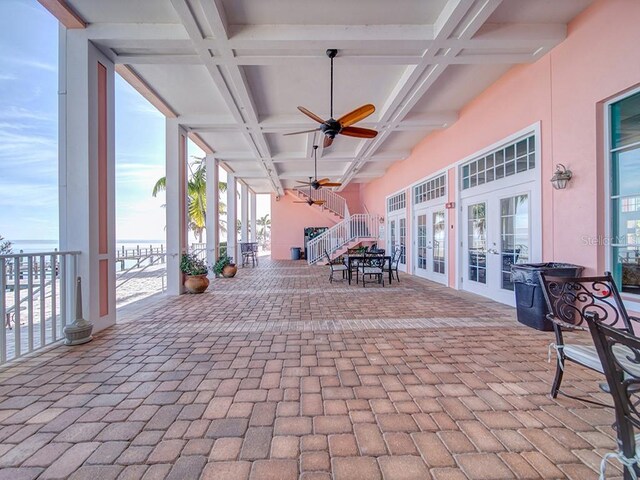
350 258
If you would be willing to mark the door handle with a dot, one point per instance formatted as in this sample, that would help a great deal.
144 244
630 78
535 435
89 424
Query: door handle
493 251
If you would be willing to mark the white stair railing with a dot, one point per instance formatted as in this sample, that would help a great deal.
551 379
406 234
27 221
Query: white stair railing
332 201
361 226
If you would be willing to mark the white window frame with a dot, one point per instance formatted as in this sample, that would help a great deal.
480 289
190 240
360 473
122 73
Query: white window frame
631 301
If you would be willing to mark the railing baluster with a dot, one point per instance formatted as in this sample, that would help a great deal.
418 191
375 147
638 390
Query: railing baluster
30 303
3 311
54 279
17 264
63 291
43 294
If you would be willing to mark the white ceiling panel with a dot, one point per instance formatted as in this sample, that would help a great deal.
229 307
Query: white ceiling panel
235 70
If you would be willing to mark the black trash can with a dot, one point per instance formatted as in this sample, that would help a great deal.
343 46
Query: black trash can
530 303
295 253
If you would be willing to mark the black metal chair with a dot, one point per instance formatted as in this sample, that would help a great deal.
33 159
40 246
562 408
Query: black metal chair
570 300
395 261
372 266
249 251
619 354
335 266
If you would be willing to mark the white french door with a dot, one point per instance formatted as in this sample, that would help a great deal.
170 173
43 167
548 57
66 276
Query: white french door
430 240
397 236
497 231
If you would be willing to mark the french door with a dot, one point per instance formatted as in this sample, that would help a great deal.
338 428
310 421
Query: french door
431 243
497 233
398 237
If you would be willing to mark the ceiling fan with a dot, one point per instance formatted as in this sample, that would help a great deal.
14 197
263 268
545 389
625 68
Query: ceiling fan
343 125
323 182
309 201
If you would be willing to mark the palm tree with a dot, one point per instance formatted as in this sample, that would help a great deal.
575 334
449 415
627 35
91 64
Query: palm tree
196 196
264 224
5 246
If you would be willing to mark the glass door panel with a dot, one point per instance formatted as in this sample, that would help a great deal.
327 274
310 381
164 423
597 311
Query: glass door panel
402 239
421 234
477 242
438 237
514 235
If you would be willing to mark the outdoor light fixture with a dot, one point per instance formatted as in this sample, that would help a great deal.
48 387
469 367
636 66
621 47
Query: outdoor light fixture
561 177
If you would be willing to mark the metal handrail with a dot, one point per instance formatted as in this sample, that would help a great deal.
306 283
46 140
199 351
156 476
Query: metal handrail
332 201
357 227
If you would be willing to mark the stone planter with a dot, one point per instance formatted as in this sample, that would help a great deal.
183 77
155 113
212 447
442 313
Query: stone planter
196 283
229 271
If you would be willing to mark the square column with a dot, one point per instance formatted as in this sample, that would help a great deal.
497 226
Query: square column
253 233
232 217
212 220
86 152
176 227
244 213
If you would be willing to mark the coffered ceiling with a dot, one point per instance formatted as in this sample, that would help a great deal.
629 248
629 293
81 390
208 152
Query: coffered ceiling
234 71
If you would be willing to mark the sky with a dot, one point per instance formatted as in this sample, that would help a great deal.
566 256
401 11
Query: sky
29 137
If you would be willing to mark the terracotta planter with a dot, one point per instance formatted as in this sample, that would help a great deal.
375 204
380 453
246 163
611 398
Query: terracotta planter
229 271
196 283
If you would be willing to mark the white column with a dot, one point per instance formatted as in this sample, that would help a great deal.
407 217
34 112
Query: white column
232 217
213 217
253 233
244 213
176 203
86 151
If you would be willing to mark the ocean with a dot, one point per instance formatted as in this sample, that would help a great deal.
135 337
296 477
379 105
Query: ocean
36 246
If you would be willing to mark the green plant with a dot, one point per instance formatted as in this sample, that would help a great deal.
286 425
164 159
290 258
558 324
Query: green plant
220 264
190 264
5 246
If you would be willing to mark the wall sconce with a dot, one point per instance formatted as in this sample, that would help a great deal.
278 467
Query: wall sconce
561 177
381 220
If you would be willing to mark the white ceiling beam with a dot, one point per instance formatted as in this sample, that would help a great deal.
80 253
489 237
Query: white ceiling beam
296 37
216 21
136 32
160 59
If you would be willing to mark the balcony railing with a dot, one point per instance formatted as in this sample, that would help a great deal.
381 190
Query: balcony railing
37 298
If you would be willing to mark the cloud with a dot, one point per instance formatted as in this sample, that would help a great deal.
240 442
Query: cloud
7 77
31 63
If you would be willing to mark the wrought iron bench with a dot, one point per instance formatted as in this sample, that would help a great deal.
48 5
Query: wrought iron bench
570 301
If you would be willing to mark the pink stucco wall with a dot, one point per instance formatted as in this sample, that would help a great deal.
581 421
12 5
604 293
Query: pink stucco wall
288 221
563 91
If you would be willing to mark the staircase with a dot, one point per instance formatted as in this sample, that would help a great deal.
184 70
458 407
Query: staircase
333 203
344 235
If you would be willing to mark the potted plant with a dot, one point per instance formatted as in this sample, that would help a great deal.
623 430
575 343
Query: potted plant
195 271
225 267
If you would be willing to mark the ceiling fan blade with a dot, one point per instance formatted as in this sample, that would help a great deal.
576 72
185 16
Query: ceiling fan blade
304 182
303 131
296 201
322 180
330 184
327 142
358 132
311 115
318 202
356 115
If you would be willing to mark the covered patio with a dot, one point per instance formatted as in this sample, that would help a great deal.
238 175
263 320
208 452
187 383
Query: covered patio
277 374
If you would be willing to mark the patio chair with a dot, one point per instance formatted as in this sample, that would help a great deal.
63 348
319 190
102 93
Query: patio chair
248 251
619 354
570 300
372 266
335 266
395 261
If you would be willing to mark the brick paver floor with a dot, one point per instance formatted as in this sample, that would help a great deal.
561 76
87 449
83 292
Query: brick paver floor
276 374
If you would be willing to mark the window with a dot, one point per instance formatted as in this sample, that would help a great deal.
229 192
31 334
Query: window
397 202
625 192
516 157
430 190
